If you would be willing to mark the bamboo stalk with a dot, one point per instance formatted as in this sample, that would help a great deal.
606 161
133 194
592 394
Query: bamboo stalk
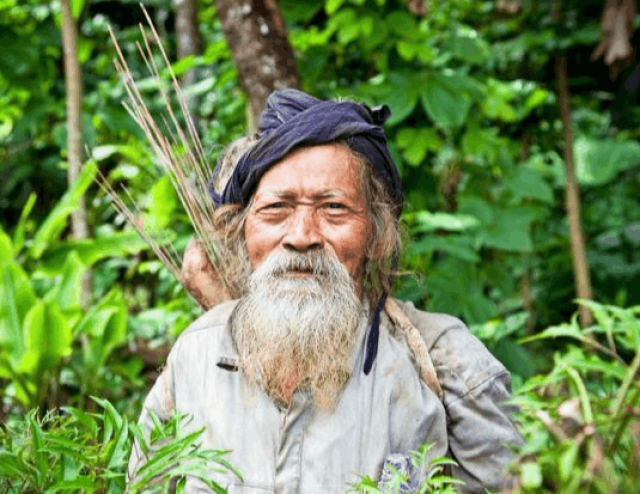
177 149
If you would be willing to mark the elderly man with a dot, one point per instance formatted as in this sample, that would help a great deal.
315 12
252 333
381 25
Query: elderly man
315 376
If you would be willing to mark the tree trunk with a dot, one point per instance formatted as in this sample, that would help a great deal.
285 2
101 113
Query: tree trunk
572 193
188 43
262 54
73 82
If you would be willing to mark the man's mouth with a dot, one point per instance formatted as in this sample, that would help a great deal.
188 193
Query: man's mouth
299 272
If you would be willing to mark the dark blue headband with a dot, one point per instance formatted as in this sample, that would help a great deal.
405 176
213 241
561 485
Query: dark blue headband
292 119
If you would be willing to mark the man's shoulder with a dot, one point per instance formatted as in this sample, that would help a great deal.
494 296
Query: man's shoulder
212 320
432 325
456 353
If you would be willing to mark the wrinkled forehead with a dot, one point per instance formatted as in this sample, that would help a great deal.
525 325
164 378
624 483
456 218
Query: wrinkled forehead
316 172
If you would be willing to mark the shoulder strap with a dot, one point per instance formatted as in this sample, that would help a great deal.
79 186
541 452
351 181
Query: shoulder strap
416 344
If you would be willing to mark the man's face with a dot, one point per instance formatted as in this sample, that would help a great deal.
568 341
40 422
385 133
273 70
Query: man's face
311 200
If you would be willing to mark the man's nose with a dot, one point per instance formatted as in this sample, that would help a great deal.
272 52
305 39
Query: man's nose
303 233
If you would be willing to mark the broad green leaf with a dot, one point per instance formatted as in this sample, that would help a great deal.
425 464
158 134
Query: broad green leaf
400 91
506 237
85 50
515 357
95 321
562 330
311 37
536 98
408 49
76 8
405 137
17 298
447 107
367 25
106 326
595 364
6 247
206 85
455 287
416 143
300 11
428 222
632 232
478 307
477 207
100 153
86 484
498 109
531 475
481 142
467 46
183 65
331 6
455 245
345 19
18 234
34 325
402 104
67 293
492 331
527 183
93 250
47 333
497 103
53 225
416 150
567 460
131 154
509 229
162 204
348 32
599 161
402 23
117 328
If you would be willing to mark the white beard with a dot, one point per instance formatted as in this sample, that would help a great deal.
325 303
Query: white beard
293 330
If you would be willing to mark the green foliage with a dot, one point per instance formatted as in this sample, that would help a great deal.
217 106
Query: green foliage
428 476
44 330
76 451
580 421
37 334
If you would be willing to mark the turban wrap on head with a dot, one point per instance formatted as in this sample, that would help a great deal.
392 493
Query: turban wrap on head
293 119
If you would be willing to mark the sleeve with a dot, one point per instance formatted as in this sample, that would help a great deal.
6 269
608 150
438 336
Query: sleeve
159 401
476 386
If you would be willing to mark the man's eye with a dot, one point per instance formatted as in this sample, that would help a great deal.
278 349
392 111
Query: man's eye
335 206
276 205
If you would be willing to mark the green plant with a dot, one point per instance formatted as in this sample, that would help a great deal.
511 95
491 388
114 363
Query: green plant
75 451
581 421
427 476
43 324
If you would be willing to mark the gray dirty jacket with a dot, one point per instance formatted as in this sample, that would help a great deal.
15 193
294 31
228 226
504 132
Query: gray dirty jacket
301 449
